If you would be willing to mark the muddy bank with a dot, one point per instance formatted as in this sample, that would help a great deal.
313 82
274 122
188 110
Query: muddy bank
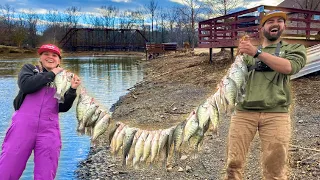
176 84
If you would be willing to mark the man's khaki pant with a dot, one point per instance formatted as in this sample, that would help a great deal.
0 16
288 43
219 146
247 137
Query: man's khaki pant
274 132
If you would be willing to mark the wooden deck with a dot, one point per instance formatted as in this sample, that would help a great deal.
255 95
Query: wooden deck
225 31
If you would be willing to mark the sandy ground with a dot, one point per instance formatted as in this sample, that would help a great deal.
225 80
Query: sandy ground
176 83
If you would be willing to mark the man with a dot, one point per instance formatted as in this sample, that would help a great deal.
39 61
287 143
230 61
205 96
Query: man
267 99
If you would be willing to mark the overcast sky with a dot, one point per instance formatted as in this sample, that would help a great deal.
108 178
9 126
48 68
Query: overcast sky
92 5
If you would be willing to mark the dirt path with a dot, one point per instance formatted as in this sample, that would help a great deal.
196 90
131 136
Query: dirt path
176 84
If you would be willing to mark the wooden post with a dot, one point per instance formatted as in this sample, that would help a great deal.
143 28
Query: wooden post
146 52
232 51
210 56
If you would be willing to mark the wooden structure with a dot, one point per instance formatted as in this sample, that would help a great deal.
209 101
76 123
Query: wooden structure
103 39
152 49
303 27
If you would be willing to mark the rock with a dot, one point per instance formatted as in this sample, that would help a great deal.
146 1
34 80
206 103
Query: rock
183 157
111 165
123 172
169 169
188 169
180 169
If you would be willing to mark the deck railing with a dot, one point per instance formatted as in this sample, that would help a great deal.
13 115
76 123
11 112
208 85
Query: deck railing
302 26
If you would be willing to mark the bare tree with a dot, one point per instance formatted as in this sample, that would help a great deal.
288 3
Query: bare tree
7 13
151 8
31 19
109 14
191 11
163 22
223 7
125 20
137 18
72 16
93 20
54 20
19 33
313 5
172 16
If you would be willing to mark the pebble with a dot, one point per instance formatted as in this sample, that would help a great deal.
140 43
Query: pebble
169 169
183 157
188 169
111 165
180 169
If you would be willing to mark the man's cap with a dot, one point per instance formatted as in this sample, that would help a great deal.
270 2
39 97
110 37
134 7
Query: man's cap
271 14
50 48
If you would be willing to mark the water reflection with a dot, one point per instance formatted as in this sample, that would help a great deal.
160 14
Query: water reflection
105 78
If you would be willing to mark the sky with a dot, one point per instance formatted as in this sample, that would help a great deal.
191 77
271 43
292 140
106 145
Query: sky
93 5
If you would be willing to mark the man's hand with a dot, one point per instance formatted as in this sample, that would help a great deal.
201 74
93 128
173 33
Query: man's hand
246 47
75 82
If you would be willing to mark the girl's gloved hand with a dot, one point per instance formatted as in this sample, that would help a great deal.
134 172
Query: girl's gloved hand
57 70
75 82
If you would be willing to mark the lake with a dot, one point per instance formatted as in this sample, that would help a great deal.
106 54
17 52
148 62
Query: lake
105 78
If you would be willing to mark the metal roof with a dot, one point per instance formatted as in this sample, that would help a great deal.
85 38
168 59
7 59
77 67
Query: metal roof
313 62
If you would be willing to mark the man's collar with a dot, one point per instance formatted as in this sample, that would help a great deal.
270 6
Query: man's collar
275 45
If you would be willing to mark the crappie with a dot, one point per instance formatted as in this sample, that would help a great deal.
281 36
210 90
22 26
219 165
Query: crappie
84 102
98 114
155 145
67 86
119 140
170 132
178 135
139 147
197 139
203 116
134 142
238 76
100 127
60 82
191 127
214 117
242 65
228 93
111 131
114 137
87 116
147 147
127 142
163 140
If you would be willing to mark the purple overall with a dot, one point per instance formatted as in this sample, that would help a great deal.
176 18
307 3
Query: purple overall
35 126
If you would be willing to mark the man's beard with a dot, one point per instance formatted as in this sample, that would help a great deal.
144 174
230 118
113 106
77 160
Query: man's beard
273 37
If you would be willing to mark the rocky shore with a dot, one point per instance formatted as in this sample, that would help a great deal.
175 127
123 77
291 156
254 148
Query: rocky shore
173 86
